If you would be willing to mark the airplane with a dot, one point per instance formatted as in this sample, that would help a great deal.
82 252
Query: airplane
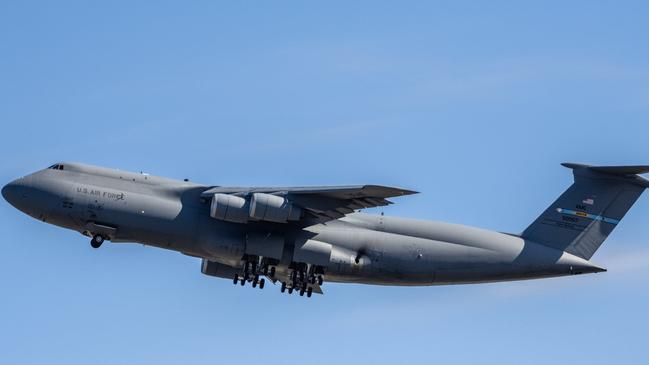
300 237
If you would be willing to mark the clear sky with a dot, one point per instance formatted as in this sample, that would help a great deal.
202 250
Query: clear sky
474 104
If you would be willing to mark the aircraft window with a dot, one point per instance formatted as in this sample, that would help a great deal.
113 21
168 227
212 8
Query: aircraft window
56 167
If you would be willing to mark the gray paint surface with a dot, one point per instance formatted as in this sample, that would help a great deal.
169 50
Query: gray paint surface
328 238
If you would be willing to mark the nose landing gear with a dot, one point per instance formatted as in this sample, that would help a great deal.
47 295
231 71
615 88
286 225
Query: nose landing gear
97 241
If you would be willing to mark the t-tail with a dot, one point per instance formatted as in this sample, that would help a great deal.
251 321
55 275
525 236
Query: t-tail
585 214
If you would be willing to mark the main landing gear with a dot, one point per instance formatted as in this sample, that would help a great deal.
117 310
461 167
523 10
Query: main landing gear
255 282
302 278
251 273
97 240
302 281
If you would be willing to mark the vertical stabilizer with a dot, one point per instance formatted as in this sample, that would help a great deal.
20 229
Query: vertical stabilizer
579 221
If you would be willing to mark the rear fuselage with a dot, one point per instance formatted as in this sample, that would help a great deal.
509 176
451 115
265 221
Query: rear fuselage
171 214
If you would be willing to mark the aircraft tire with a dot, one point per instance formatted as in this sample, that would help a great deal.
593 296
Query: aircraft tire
96 241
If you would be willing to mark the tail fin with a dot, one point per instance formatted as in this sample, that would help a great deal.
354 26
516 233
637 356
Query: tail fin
585 214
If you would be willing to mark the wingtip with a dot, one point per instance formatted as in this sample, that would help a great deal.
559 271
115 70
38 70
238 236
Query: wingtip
404 192
391 190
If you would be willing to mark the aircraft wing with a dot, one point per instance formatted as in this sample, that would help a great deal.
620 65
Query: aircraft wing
324 203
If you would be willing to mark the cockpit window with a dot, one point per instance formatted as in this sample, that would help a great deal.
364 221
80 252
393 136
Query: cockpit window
56 167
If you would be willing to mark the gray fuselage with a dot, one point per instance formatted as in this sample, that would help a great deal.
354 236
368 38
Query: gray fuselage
368 249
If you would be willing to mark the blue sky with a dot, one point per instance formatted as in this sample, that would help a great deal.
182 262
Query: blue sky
474 104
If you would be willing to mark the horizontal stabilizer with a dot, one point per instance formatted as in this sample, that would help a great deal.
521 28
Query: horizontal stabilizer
630 173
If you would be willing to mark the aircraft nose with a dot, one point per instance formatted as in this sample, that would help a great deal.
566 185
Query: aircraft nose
11 192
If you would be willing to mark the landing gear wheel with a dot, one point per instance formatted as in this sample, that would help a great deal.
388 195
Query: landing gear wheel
309 292
243 282
272 272
302 292
290 290
96 241
261 283
236 279
254 283
283 289
320 280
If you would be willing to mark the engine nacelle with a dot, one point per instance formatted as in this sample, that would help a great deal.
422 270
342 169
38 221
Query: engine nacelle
273 208
230 208
260 206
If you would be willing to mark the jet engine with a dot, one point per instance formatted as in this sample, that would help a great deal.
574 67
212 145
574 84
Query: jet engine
259 206
229 208
273 208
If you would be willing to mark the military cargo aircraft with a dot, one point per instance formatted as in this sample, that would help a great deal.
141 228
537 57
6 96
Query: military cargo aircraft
300 237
